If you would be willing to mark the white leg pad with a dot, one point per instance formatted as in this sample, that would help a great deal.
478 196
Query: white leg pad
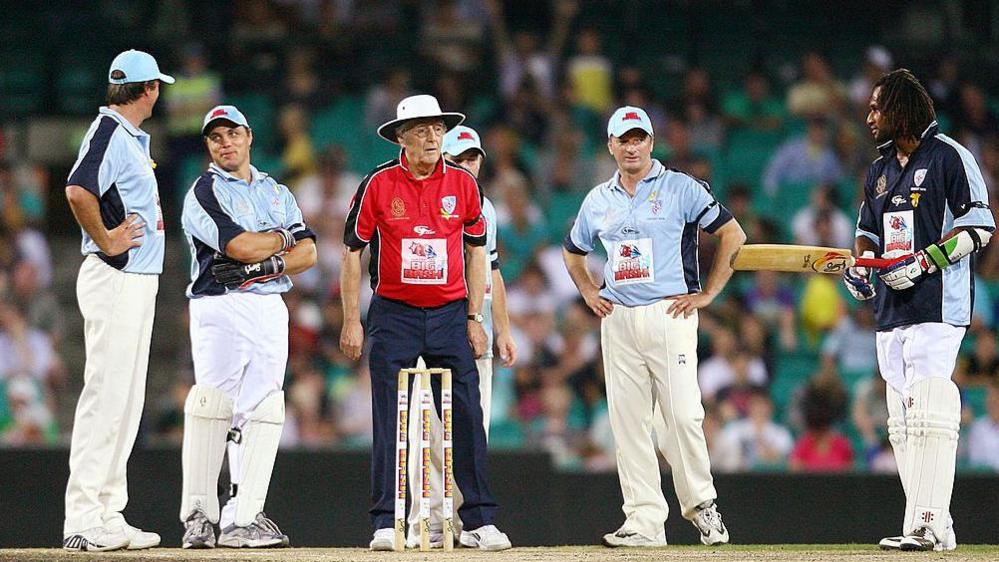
896 434
207 416
933 419
259 439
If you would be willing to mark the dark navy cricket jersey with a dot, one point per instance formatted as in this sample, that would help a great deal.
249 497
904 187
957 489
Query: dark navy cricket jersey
907 209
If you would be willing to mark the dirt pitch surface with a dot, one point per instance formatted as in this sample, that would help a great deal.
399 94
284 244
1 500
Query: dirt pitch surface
859 553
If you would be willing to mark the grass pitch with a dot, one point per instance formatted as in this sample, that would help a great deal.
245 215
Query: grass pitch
810 552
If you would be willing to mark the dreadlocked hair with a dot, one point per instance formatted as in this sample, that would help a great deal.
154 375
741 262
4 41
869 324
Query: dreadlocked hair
905 103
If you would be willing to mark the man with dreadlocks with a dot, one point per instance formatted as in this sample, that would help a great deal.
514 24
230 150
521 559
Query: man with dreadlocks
925 201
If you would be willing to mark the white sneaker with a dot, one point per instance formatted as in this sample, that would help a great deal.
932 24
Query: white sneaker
486 537
97 539
920 539
384 540
139 539
624 537
709 522
949 541
891 543
436 538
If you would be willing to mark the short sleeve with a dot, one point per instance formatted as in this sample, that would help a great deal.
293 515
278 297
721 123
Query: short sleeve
361 220
489 214
867 223
293 218
580 238
967 195
204 217
699 206
475 225
97 166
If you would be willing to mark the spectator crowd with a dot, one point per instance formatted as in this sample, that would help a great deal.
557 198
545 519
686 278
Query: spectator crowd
787 363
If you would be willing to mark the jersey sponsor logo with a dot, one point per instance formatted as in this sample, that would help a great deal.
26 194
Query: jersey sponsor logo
633 262
914 198
448 204
398 207
424 262
423 230
881 186
919 176
629 231
899 236
897 200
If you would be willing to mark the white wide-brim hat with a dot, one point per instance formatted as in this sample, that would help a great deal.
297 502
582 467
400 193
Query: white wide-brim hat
418 107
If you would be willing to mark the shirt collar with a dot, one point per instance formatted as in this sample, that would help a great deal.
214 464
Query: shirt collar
887 148
655 171
255 175
132 129
439 168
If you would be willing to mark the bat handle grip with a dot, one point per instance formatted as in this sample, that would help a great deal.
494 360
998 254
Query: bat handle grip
877 263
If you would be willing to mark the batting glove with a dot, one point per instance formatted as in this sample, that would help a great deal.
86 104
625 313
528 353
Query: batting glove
238 275
858 281
907 272
287 239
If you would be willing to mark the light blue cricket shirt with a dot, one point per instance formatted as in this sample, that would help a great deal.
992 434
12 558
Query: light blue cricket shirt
651 238
114 164
220 207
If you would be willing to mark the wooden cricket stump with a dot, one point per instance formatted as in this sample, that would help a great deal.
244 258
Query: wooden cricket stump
426 396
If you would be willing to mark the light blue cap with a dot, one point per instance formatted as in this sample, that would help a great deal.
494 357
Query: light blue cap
627 118
460 139
224 113
137 66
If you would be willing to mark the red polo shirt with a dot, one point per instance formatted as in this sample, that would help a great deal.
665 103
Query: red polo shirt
417 229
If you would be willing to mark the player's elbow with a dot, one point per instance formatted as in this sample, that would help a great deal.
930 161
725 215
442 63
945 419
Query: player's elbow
311 256
78 196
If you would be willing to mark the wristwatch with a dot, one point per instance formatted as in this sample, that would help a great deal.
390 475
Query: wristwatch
476 318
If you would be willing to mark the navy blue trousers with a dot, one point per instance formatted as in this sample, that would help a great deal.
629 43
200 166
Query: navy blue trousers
399 335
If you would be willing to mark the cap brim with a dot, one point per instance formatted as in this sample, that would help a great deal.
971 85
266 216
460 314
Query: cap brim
620 134
166 78
208 126
387 131
464 150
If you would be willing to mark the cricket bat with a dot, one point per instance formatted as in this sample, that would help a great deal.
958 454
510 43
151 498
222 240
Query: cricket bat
801 259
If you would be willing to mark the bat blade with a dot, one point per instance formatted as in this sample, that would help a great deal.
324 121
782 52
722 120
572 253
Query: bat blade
791 258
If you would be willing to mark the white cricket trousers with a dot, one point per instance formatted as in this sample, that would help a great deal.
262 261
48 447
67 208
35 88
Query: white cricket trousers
239 345
118 310
651 357
485 368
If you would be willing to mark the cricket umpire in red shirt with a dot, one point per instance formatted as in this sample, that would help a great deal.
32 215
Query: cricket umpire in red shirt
422 218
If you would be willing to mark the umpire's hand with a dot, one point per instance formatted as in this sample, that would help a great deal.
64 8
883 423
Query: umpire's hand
352 339
477 338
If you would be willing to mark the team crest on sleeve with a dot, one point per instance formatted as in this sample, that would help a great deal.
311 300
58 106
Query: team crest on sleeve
881 186
448 204
919 176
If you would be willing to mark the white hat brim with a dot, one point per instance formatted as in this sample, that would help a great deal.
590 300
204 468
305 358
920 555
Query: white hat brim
387 131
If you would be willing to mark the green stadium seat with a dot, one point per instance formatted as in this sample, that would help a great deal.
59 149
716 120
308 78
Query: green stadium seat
260 112
22 82
974 397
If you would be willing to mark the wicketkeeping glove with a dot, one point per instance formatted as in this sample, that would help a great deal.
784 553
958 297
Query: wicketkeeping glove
858 280
238 275
905 273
